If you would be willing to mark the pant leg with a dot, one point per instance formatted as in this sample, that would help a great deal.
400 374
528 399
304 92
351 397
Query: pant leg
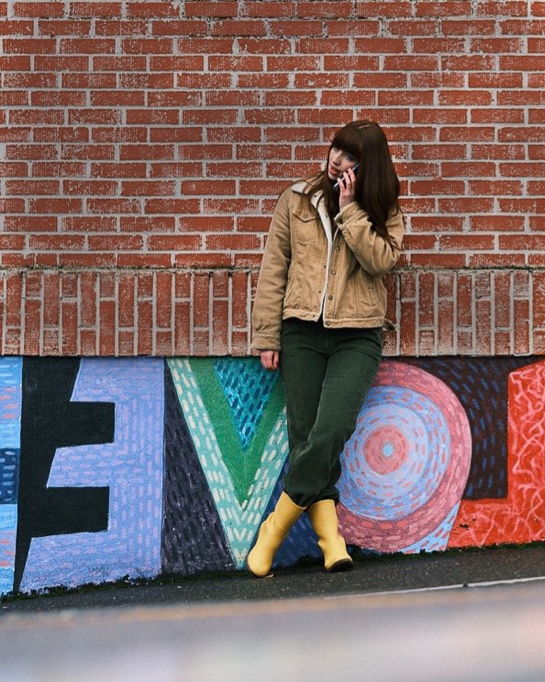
314 466
303 363
361 352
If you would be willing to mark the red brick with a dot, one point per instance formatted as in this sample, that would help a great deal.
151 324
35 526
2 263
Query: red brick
271 9
78 259
180 28
111 8
426 316
246 260
314 8
502 343
56 63
61 27
89 187
182 285
145 136
522 328
126 296
15 27
163 343
116 28
155 261
119 63
13 342
107 327
240 343
201 342
239 299
147 46
163 299
201 305
88 300
126 343
220 328
33 285
182 328
69 327
483 324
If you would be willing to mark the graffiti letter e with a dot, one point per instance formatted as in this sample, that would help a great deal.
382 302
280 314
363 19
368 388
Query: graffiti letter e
50 421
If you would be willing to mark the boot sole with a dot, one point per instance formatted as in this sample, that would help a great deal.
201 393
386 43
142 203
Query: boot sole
259 576
270 574
341 566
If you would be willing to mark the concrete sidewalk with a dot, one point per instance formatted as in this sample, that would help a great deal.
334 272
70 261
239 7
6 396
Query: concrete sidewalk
412 619
374 574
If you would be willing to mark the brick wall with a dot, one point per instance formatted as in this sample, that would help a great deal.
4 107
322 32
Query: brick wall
144 144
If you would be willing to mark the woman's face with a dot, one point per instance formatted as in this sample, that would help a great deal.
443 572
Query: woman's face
338 163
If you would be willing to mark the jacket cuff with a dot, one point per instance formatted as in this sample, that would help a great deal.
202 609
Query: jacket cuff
265 342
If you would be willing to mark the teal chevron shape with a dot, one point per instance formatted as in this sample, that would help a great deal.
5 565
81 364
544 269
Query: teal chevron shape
241 458
247 388
241 479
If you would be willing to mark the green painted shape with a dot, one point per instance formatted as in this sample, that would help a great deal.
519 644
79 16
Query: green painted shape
242 463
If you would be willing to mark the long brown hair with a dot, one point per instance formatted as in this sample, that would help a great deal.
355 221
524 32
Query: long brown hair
377 185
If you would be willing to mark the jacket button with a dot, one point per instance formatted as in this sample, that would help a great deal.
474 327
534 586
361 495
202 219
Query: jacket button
330 298
333 272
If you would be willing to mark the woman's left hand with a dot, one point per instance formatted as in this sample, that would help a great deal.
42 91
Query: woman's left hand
347 188
270 359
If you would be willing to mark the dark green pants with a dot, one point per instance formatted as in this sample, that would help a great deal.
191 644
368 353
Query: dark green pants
326 375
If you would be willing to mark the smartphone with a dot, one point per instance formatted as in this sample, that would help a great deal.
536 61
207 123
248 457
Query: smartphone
336 185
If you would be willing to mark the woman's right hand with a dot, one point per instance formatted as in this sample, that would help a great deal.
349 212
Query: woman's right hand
270 359
347 188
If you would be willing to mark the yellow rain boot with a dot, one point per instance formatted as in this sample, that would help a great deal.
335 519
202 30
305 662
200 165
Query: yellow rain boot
272 533
323 517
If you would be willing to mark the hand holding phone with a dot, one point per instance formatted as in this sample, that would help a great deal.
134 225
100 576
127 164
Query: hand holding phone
337 186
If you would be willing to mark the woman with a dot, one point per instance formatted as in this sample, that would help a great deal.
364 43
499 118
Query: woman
318 317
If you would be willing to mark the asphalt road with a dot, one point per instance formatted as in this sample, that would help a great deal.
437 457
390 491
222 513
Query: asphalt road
457 617
371 575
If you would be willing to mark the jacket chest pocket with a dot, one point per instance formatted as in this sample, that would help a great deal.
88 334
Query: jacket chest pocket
304 227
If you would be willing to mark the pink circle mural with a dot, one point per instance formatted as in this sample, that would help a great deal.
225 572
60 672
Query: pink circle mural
406 466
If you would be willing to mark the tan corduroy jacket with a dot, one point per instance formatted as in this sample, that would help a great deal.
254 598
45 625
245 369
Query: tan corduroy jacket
308 271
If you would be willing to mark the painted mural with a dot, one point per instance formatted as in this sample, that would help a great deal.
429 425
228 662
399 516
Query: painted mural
140 467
